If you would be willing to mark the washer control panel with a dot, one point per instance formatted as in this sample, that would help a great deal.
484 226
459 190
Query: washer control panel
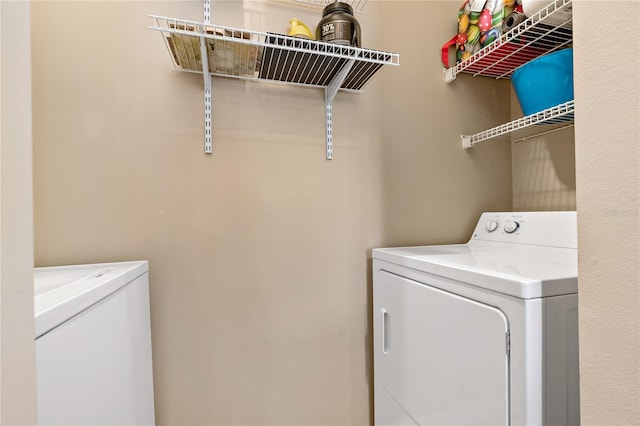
557 229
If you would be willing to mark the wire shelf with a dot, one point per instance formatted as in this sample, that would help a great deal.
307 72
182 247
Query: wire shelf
543 122
357 5
546 31
233 52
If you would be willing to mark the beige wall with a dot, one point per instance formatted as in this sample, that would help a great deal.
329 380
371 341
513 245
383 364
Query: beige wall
260 278
608 190
544 175
433 191
543 169
17 351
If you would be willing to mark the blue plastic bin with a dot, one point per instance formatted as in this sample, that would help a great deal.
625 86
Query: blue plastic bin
544 82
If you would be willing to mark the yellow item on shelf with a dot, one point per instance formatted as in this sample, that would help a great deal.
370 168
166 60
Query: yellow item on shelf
299 29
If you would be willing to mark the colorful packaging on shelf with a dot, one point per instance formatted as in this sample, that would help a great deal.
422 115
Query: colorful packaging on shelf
480 23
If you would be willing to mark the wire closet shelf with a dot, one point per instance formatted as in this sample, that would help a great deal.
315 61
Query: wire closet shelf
555 118
253 55
544 32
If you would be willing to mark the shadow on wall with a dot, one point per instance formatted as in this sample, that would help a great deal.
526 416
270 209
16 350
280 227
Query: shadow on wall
544 172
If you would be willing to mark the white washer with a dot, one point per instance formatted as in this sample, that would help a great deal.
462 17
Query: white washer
482 333
93 345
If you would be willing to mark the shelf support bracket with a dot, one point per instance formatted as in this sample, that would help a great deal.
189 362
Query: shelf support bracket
330 93
206 5
466 142
449 74
208 139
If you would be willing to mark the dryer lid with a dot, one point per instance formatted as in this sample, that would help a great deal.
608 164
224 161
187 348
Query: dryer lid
523 271
61 292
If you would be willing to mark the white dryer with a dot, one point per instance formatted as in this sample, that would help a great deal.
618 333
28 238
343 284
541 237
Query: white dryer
482 333
93 344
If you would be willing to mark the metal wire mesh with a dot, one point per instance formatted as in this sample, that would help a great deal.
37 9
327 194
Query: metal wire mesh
531 38
234 52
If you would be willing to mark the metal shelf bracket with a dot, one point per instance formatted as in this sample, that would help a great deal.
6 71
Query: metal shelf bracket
449 74
206 5
330 93
466 141
208 139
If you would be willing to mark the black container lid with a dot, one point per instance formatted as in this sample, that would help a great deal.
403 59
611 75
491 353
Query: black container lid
337 7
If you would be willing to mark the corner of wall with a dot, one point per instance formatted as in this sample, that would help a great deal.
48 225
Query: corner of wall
17 343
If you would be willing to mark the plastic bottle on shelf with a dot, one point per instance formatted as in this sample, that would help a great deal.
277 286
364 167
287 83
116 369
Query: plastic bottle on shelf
297 28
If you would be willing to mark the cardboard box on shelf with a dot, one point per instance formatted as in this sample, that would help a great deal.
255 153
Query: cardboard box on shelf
225 55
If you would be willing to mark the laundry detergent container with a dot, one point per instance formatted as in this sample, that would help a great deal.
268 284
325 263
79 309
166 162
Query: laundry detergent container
544 82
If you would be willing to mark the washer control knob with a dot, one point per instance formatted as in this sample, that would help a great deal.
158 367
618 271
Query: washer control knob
511 226
492 225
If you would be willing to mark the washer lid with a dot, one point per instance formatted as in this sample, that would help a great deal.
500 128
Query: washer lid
524 271
61 292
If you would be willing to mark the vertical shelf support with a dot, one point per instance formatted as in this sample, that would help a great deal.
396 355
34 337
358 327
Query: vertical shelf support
208 138
330 93
206 5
